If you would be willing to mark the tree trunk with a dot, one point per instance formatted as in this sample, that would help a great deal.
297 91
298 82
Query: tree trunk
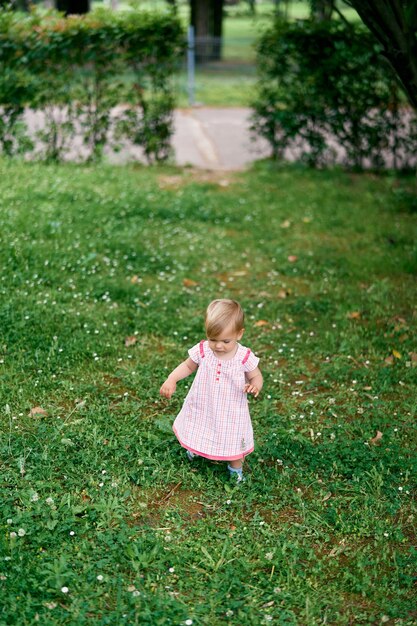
73 7
207 19
322 10
394 24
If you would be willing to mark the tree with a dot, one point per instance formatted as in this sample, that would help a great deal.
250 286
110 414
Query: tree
73 7
322 10
207 20
17 5
394 24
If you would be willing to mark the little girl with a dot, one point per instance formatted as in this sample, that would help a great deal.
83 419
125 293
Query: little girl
214 421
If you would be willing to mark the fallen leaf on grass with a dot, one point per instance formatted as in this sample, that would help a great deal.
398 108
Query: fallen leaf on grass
354 315
261 323
286 224
268 604
396 354
377 438
37 411
389 360
327 496
67 442
187 282
135 279
293 258
338 549
283 293
130 341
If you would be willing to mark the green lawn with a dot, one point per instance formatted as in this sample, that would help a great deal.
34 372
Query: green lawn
103 521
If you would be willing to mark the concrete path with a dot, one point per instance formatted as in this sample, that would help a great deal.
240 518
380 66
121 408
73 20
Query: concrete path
207 138
216 139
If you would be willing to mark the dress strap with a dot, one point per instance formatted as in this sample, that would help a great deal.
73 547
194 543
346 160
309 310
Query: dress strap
246 357
202 349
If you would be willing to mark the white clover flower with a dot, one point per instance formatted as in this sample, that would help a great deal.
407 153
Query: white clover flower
9 521
72 533
64 589
49 501
21 532
171 570
13 535
269 556
188 622
35 497
100 577
400 488
135 593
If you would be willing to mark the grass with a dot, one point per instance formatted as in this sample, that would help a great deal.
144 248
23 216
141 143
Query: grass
103 521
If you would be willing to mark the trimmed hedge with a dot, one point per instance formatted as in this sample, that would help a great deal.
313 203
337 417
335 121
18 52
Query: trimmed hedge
75 71
325 91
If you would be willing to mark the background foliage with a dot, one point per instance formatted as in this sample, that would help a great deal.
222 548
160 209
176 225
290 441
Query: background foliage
74 72
325 87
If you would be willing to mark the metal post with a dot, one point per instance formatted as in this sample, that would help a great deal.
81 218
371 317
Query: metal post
191 65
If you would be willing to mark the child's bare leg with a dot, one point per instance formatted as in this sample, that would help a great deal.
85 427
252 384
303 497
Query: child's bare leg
236 464
235 469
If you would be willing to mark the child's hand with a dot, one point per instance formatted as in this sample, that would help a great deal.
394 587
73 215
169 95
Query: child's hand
167 389
253 389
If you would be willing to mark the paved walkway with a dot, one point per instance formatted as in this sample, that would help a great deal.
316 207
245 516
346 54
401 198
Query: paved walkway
216 139
207 138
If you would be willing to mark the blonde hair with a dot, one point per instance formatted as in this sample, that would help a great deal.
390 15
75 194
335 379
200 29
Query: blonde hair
222 313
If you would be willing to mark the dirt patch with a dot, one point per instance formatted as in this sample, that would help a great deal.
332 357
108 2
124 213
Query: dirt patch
176 181
153 505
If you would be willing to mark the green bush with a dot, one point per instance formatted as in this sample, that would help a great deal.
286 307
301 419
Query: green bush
326 85
77 70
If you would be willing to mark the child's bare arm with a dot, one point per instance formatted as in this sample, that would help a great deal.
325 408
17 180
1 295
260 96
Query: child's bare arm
183 370
255 382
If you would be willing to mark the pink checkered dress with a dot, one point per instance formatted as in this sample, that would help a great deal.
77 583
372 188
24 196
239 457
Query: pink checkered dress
214 421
